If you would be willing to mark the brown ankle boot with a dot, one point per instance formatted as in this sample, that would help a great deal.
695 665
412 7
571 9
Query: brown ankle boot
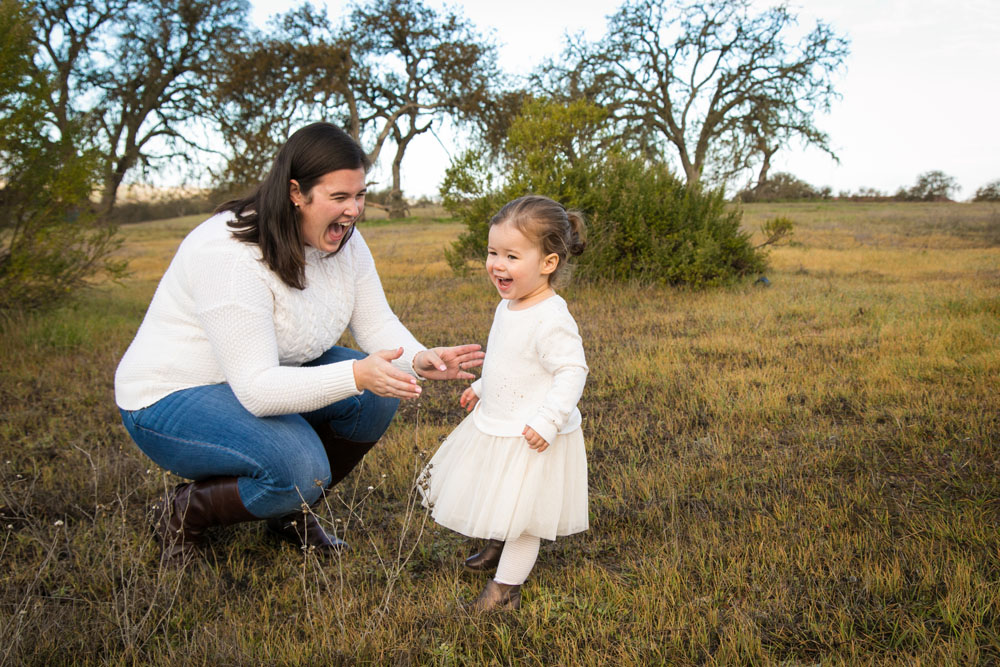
487 558
496 596
304 530
188 509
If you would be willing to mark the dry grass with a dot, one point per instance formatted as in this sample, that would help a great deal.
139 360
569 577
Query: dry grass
802 473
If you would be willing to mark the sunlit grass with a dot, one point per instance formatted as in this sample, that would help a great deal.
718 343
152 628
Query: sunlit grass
799 473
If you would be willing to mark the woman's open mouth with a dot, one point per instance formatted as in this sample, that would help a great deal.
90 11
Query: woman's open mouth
335 232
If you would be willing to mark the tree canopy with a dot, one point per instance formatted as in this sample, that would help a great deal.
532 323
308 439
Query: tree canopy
930 186
711 85
132 73
50 240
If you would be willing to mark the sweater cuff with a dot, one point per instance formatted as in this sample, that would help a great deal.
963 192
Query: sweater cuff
547 430
338 383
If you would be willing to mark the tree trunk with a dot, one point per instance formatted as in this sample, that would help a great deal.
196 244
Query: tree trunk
397 205
765 165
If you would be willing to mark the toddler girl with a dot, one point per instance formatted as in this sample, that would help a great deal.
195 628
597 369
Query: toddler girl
515 470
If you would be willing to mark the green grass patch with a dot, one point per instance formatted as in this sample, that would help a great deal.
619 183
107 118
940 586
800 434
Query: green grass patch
805 473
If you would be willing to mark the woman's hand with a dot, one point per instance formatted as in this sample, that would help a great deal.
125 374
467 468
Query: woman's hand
535 441
468 399
376 374
448 363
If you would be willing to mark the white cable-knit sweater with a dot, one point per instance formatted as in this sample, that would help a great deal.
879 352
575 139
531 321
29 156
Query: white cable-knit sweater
533 373
220 314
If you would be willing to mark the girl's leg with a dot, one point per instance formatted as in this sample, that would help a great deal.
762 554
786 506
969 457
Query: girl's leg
517 559
504 590
205 432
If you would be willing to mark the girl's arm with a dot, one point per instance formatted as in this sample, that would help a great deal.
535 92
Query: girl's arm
560 351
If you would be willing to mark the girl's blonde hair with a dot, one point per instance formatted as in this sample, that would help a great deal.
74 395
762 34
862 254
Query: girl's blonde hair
547 223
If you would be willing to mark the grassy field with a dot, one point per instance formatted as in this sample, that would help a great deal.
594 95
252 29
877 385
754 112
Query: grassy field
801 473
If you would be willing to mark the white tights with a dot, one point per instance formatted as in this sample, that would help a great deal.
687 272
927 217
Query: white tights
517 559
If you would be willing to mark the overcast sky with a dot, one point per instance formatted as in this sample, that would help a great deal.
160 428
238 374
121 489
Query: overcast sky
921 90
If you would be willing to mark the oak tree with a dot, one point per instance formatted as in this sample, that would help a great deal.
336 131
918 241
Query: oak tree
133 73
711 83
412 68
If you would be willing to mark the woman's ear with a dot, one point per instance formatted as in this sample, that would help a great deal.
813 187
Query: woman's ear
550 263
295 193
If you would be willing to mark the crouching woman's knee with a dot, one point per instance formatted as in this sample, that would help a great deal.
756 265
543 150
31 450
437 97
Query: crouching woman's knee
297 485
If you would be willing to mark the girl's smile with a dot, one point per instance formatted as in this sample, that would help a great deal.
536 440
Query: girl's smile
517 268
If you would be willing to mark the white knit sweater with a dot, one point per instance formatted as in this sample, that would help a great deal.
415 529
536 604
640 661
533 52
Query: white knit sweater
534 372
220 314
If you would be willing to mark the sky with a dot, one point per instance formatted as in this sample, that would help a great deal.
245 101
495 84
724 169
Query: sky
920 92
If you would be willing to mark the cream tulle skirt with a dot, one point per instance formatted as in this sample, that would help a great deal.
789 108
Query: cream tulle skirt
497 487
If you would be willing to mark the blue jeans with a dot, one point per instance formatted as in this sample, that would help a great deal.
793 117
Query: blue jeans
280 461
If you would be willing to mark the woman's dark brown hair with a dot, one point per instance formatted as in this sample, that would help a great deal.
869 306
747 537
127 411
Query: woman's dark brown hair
267 217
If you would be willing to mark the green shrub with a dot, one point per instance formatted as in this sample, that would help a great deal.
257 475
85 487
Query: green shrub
646 224
51 242
643 222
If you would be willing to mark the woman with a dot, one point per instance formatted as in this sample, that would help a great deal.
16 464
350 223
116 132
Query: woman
234 379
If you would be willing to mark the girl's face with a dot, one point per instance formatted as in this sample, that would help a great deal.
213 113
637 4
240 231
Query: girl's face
517 267
328 210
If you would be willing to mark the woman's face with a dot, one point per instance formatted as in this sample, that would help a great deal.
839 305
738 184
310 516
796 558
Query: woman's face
327 211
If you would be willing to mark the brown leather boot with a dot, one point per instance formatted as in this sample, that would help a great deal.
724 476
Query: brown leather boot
496 596
188 509
487 558
343 455
303 529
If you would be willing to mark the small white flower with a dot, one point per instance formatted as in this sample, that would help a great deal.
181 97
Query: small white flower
338 520
371 488
383 475
149 471
10 526
59 522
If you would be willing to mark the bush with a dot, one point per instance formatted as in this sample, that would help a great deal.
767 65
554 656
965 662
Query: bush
648 225
643 222
989 192
782 187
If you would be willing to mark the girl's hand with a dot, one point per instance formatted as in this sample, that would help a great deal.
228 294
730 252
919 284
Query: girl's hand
376 374
535 441
448 363
468 399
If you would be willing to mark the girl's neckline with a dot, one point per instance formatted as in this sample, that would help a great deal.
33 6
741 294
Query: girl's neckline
527 308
